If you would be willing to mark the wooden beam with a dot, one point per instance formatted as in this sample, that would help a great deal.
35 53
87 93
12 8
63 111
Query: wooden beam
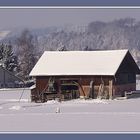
110 89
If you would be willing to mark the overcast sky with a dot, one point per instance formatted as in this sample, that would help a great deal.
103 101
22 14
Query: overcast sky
36 18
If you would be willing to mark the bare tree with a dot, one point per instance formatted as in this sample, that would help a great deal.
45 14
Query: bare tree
27 50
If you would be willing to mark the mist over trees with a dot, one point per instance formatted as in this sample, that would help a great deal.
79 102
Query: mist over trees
97 35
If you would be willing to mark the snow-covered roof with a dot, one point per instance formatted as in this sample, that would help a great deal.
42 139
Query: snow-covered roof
79 63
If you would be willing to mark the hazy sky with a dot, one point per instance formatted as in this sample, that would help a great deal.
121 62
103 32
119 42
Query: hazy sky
36 18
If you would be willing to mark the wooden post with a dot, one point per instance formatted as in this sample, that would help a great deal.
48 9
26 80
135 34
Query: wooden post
91 90
59 89
110 89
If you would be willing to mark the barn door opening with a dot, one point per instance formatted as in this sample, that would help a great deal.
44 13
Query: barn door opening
69 89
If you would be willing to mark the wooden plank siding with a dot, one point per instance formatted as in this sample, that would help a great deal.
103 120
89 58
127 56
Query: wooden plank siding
125 78
84 82
110 92
41 83
119 90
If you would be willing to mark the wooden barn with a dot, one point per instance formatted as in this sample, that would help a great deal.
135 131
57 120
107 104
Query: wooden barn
84 74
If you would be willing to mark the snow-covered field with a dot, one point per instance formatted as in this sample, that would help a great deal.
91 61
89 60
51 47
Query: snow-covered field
75 115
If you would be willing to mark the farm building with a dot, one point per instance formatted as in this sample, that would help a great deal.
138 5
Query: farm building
8 79
85 74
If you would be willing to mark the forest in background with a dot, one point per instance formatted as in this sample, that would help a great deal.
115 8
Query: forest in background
20 49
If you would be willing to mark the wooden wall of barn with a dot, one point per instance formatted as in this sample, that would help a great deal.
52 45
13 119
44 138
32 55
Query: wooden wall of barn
41 83
125 82
125 78
84 81
97 80
117 88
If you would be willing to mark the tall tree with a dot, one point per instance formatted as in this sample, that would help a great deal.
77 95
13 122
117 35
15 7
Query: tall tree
27 57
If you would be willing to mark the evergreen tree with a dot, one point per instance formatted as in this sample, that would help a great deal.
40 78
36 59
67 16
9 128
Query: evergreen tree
8 59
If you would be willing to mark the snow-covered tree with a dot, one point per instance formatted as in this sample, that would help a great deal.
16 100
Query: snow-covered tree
8 59
27 50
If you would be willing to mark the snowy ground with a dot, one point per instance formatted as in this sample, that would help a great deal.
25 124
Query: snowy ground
75 115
